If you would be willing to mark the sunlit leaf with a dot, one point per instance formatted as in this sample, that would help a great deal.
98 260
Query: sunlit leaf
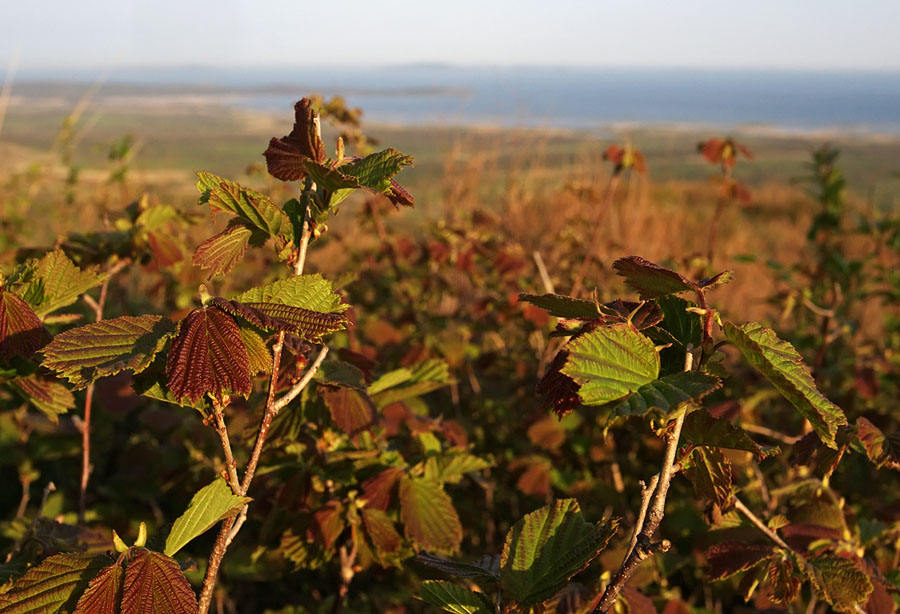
286 157
63 282
664 395
651 280
782 365
21 331
405 383
451 468
85 354
883 450
350 409
785 584
48 395
257 351
429 518
208 506
454 599
220 253
104 594
375 171
560 306
208 356
547 547
307 291
53 586
381 531
841 581
154 584
254 209
380 488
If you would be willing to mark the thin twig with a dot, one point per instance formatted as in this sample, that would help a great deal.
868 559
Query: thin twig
770 433
542 271
739 506
347 573
652 512
297 388
646 493
50 487
230 464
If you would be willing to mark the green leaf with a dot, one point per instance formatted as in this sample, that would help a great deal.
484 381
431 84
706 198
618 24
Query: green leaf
46 394
154 584
401 384
257 351
428 516
882 450
610 362
208 506
208 356
782 365
221 252
376 170
564 307
710 475
85 354
701 429
454 599
340 373
307 291
104 593
63 282
665 394
546 548
151 383
328 178
841 581
451 468
253 208
21 331
53 586
651 280
381 531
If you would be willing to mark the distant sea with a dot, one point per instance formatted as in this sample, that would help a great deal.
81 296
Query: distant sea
575 98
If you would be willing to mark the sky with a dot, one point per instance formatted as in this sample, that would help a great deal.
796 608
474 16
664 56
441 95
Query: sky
779 34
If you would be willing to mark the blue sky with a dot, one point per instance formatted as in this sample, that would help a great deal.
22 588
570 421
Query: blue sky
784 34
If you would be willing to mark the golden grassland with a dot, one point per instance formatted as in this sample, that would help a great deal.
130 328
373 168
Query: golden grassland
545 185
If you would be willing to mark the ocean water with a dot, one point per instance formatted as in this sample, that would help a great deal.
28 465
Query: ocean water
562 97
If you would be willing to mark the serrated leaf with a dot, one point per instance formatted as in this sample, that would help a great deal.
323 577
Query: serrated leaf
379 489
257 351
220 253
350 409
428 515
560 306
544 549
46 394
85 354
841 581
53 586
151 383
21 331
208 356
254 209
451 468
702 429
782 365
486 569
286 157
454 599
307 324
882 450
651 280
664 395
785 585
710 475
328 178
63 282
610 362
731 557
104 594
154 584
376 170
381 531
208 506
307 291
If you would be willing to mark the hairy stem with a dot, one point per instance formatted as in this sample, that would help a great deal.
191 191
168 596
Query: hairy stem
230 464
651 514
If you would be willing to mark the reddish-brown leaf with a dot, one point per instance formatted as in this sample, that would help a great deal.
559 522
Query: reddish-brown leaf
800 535
559 391
351 410
221 252
379 490
328 523
729 558
398 195
104 594
638 603
208 356
21 331
286 157
785 585
651 280
154 584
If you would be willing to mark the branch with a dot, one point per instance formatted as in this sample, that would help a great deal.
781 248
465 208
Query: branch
651 513
231 465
